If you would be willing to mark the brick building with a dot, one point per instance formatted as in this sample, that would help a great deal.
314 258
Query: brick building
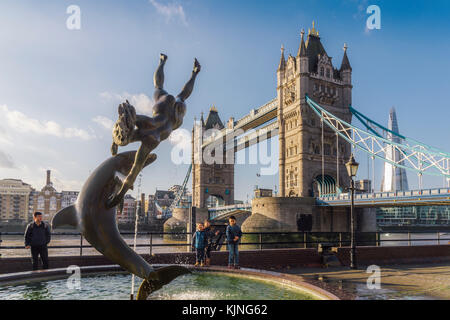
14 200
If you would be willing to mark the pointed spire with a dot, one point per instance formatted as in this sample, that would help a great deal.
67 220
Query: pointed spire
313 31
282 60
302 49
202 120
345 62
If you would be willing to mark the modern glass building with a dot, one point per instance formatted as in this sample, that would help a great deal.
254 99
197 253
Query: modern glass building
415 216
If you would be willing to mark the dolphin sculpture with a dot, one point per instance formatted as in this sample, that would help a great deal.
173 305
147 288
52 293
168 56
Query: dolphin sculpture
97 223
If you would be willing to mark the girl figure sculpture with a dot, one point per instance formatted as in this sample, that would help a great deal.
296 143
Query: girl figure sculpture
168 114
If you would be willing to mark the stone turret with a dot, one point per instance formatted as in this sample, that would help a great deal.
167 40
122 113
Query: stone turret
300 155
210 179
302 58
346 77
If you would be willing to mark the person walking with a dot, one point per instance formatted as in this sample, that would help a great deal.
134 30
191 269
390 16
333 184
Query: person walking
234 235
37 237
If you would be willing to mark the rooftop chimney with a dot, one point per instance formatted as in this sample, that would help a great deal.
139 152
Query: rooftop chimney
48 177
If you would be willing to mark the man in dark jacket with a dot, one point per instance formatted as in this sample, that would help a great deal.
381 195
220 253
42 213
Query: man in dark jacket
234 235
37 237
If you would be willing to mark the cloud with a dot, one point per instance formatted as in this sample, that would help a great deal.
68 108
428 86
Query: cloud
170 11
105 122
6 161
5 139
20 122
141 102
361 6
181 138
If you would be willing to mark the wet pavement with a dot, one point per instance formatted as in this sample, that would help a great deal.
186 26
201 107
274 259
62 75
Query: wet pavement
398 282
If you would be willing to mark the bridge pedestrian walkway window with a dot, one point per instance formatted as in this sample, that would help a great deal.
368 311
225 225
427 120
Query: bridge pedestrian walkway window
324 186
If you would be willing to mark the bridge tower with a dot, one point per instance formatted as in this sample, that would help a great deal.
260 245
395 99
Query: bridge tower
211 179
308 166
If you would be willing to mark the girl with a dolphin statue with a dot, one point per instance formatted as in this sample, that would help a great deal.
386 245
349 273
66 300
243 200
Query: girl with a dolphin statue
94 212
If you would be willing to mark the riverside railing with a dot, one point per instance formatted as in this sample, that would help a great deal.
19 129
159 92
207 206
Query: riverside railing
260 240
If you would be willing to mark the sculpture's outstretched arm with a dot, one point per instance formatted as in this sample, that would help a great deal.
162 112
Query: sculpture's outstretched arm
189 86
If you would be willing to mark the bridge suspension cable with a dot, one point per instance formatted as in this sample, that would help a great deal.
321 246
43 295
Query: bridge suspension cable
413 155
375 127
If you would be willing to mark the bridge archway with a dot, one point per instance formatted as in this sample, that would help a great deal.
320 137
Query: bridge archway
324 185
215 201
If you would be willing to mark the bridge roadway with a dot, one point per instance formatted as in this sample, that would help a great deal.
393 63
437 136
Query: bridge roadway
427 197
255 119
219 213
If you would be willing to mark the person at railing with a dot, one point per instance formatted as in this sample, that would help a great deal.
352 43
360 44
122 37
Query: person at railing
37 237
234 235
199 242
210 235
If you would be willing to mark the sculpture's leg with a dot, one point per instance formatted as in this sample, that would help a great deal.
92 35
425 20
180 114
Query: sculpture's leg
158 78
189 86
143 158
114 149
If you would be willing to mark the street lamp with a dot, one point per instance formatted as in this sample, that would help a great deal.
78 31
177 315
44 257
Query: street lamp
352 169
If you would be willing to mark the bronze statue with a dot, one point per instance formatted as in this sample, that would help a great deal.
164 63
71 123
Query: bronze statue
168 114
97 223
94 211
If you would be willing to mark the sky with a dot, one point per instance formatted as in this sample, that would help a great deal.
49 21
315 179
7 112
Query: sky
60 88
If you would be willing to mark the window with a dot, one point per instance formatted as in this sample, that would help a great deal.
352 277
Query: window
52 203
41 203
328 73
327 149
321 71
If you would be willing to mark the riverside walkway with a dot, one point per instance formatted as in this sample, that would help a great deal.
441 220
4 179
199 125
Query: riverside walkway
415 281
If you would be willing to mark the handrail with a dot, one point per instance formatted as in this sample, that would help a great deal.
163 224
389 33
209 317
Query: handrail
336 238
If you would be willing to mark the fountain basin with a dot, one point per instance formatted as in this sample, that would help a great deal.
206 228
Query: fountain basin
112 283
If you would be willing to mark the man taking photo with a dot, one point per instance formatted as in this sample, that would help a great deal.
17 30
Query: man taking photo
37 237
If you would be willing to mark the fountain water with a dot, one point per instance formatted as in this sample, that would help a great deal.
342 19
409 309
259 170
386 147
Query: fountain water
136 222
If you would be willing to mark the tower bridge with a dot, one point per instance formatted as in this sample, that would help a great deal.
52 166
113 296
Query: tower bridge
312 116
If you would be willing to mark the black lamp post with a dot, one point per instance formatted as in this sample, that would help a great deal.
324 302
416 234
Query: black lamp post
352 169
